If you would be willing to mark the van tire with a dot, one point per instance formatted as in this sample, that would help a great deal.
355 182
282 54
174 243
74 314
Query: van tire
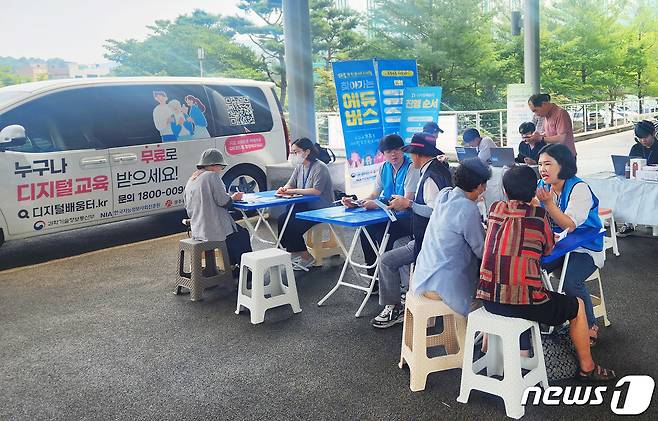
250 178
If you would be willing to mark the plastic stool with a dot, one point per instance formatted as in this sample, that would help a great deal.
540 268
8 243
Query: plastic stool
598 301
202 273
606 216
503 359
262 262
420 310
318 246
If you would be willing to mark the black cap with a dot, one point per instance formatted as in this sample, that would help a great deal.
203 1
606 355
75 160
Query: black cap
432 128
390 142
644 128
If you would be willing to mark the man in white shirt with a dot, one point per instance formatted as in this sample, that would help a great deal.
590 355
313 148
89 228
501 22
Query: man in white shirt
163 116
483 144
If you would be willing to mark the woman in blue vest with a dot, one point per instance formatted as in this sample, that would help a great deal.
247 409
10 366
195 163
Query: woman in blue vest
396 176
572 206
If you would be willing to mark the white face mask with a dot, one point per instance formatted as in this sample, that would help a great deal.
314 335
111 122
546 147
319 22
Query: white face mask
295 159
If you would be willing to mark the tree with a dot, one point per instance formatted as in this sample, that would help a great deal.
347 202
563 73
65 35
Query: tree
334 36
583 50
9 77
171 49
642 51
266 33
452 43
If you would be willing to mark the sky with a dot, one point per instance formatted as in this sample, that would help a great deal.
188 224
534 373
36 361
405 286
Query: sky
75 30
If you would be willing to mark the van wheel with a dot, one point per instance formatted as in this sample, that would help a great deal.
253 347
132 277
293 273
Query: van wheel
245 179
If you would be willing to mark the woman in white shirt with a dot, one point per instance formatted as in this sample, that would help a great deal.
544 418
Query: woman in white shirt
572 206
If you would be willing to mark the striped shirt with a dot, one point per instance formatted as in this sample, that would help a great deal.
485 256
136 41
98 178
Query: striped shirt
518 234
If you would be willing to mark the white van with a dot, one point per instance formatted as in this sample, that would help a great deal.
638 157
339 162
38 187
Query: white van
103 150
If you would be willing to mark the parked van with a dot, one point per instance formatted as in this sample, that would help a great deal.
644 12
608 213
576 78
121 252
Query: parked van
102 150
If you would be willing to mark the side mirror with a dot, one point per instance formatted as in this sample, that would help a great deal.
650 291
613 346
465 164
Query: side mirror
13 135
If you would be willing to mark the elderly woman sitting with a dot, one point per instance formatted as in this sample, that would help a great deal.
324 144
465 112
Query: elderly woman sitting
207 204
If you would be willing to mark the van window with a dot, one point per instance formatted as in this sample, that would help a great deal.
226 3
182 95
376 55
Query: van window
111 116
240 109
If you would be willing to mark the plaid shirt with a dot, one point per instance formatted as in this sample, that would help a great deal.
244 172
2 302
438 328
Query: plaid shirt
517 236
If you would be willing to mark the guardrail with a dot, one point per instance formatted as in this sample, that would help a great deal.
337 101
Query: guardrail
585 117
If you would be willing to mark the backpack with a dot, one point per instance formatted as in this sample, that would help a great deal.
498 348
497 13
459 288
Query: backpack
325 155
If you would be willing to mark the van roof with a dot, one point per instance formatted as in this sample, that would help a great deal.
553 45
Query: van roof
46 85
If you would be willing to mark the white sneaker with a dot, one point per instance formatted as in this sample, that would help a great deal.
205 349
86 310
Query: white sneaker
390 316
304 265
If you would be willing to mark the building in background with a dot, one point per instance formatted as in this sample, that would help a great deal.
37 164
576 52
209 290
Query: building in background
33 71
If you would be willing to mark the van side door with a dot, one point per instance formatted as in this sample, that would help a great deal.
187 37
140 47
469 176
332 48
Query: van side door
160 134
60 179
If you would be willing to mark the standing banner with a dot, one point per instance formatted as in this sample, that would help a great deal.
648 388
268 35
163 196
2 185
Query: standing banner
394 76
360 115
517 112
421 105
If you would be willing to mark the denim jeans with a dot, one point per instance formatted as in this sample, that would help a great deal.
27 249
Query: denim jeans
580 267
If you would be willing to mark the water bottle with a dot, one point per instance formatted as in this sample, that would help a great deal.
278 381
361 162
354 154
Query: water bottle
627 170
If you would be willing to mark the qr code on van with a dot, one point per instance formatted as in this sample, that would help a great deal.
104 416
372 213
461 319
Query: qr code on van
239 109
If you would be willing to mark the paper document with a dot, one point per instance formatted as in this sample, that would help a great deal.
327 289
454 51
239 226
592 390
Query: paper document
389 213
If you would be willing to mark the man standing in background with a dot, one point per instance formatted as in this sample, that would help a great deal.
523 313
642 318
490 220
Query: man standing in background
557 122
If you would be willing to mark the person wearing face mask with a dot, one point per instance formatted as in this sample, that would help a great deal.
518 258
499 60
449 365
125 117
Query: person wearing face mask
207 204
646 147
571 205
310 176
448 266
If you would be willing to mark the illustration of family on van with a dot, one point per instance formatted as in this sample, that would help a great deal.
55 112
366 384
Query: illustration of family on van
176 121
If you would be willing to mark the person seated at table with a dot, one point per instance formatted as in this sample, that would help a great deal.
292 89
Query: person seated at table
518 234
435 176
396 176
530 147
645 147
447 267
207 204
433 129
483 145
572 206
310 177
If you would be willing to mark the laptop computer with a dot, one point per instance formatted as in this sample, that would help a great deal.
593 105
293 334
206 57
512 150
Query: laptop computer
502 157
619 162
465 153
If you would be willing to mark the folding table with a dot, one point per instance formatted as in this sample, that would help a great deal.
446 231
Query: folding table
358 218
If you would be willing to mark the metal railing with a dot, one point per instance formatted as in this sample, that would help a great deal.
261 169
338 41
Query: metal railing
585 117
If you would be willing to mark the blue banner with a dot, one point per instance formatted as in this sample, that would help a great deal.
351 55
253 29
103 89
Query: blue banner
394 77
421 105
360 116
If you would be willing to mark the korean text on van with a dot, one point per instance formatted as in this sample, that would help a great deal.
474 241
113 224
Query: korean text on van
84 152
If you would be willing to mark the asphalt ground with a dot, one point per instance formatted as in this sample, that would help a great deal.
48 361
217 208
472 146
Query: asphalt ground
97 334
101 336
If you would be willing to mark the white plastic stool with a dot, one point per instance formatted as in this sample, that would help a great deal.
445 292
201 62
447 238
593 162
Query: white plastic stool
503 359
415 341
318 246
606 216
271 261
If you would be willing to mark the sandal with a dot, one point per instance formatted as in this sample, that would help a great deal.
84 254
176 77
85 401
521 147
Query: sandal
597 374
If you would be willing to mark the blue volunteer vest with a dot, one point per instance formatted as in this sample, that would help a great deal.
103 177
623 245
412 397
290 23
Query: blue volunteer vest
394 185
592 221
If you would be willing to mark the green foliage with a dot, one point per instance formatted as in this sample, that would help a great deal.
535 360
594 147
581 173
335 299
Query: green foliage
171 49
8 77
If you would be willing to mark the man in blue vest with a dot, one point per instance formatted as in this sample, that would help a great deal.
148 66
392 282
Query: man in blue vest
434 176
396 176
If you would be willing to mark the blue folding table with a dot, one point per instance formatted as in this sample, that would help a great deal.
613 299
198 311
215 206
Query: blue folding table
358 218
261 201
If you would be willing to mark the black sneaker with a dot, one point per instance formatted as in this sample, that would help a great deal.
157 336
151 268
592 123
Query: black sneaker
390 316
625 230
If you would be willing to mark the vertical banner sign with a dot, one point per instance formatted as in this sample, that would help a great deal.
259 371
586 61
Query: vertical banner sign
394 76
517 112
421 105
360 115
